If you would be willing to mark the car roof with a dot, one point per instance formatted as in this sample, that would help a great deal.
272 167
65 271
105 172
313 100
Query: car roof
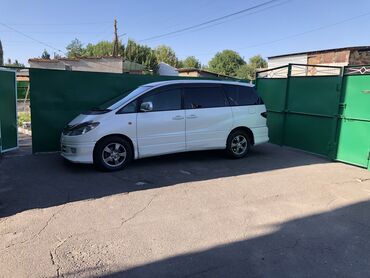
198 81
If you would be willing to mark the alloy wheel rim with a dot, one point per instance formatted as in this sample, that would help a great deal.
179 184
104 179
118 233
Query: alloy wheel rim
114 154
239 144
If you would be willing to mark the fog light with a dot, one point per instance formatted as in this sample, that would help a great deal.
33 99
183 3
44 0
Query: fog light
73 150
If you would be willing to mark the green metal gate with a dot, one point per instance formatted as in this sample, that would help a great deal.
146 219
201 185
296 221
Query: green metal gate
8 110
354 128
302 107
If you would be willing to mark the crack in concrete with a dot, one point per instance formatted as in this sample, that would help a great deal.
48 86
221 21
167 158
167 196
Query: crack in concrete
53 263
48 222
39 232
55 257
138 212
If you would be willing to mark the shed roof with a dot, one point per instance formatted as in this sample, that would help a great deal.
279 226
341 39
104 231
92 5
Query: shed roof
351 48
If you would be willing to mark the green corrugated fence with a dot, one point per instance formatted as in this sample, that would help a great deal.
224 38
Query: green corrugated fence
8 111
58 96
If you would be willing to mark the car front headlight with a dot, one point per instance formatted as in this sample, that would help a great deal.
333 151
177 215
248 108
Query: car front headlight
80 128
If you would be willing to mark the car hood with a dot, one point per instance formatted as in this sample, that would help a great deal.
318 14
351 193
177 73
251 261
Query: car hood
86 118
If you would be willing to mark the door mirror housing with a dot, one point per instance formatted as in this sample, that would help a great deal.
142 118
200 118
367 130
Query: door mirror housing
146 106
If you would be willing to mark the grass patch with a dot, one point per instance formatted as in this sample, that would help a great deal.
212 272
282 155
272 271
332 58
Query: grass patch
24 117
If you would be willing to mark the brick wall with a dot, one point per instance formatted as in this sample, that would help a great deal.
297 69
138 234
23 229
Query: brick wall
329 58
359 57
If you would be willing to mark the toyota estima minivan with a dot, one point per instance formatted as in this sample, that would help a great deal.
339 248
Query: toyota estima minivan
168 117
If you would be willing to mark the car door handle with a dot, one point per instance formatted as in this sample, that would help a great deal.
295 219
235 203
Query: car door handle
178 117
192 116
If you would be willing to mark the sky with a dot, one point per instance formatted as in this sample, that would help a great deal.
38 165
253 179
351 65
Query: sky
284 26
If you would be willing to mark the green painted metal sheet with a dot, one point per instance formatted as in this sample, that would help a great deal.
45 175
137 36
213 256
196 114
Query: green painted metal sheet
314 94
8 111
22 87
354 142
59 96
310 133
302 111
275 124
272 91
357 97
354 129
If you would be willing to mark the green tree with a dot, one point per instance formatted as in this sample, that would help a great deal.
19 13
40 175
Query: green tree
75 49
45 55
166 54
140 54
191 62
103 48
248 71
226 62
258 62
14 64
1 54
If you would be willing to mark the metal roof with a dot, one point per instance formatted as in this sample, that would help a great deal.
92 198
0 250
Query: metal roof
323 51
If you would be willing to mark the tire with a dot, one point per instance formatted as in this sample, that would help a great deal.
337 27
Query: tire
238 144
112 153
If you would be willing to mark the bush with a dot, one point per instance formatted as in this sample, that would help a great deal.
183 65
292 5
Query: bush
24 117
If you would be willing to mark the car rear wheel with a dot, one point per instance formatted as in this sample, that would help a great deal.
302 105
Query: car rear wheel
238 144
112 153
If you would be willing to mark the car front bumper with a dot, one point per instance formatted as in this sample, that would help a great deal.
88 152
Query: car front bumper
77 152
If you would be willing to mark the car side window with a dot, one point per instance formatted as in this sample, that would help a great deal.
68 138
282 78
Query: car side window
129 108
165 100
242 95
204 97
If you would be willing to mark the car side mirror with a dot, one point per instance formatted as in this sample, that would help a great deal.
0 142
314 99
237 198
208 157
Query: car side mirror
146 106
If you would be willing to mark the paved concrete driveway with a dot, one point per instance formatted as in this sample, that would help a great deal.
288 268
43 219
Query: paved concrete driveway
277 213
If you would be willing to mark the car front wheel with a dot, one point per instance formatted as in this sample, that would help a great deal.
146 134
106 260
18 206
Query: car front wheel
112 153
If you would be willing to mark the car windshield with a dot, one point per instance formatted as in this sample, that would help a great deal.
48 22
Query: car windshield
121 99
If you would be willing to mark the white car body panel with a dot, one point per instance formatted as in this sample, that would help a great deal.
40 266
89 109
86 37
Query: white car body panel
164 132
208 128
161 132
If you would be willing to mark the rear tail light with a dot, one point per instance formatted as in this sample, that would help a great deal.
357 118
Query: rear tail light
264 114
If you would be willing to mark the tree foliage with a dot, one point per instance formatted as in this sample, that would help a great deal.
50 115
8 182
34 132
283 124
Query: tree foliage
141 54
258 62
103 48
45 55
226 62
75 49
248 71
1 54
14 64
191 62
166 55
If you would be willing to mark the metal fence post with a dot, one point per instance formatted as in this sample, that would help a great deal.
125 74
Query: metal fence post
286 100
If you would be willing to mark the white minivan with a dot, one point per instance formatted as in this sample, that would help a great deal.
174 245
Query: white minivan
168 117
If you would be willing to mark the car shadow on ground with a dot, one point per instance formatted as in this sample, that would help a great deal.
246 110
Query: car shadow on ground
329 244
41 181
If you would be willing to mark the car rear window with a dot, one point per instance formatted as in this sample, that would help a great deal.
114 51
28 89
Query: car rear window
204 97
242 95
